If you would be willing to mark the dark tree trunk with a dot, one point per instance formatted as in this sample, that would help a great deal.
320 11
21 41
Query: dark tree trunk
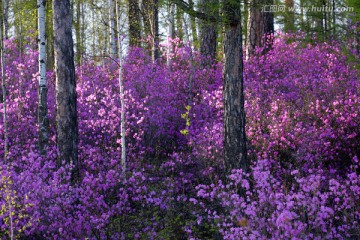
155 30
208 33
260 26
146 10
134 23
234 113
66 118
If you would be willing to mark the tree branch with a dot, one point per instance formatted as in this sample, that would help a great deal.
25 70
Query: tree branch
189 10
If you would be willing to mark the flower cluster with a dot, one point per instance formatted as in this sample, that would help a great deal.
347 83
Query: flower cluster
302 105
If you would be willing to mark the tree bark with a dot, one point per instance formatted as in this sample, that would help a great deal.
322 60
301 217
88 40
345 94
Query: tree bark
179 23
66 115
208 33
260 26
134 23
333 18
122 97
3 83
43 120
151 25
112 29
235 152
170 35
6 19
155 30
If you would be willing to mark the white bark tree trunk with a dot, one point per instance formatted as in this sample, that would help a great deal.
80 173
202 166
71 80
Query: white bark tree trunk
122 124
42 105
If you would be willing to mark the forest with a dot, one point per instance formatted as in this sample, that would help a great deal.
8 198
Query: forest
180 119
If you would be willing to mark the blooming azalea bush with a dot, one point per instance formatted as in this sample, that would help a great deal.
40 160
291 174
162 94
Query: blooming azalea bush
303 138
303 132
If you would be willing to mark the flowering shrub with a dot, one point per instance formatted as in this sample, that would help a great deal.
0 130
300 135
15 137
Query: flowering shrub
303 133
302 104
315 206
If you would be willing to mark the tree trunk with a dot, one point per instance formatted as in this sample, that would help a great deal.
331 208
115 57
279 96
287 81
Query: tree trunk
18 25
105 44
93 30
43 120
147 11
151 25
170 35
333 18
6 19
235 153
325 19
3 83
208 33
112 29
122 117
66 118
260 26
83 30
155 30
134 23
179 23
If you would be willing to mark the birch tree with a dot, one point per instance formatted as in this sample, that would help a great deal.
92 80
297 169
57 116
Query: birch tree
42 105
122 117
3 82
150 17
66 115
155 30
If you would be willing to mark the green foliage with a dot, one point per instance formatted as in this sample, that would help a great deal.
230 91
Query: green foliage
356 5
13 210
187 120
